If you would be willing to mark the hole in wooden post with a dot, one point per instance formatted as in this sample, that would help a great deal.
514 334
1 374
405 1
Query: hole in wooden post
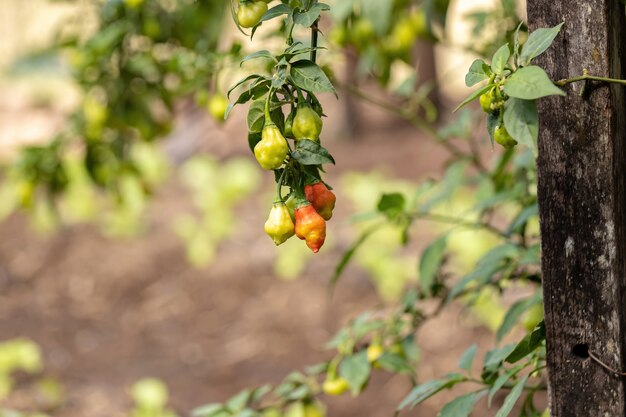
581 351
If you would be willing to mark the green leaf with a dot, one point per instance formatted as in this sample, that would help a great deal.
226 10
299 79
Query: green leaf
511 399
208 410
356 370
493 120
430 262
318 369
499 383
379 13
473 97
500 253
423 392
394 363
495 357
256 116
342 10
303 391
467 358
240 82
538 42
349 254
276 11
258 54
309 152
258 89
260 392
459 407
528 344
478 71
500 59
239 401
480 277
309 17
531 83
253 139
392 204
310 77
515 312
520 120
522 218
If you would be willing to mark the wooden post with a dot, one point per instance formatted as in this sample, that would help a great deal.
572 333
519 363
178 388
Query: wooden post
582 199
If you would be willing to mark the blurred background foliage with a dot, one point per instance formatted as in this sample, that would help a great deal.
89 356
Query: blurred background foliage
128 69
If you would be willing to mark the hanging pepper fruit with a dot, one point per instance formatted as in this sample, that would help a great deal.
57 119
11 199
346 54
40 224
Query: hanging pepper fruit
279 225
502 136
310 226
307 124
250 12
272 150
335 386
321 198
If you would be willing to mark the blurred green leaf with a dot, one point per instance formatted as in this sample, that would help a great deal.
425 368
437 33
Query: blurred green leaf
430 262
356 370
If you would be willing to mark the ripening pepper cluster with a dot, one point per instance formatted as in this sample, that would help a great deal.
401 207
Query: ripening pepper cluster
492 102
304 217
310 202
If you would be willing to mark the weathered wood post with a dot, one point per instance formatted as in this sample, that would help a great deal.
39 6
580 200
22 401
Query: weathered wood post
582 198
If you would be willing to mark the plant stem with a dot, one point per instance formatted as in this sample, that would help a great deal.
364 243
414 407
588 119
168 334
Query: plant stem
268 117
314 35
587 77
460 222
418 122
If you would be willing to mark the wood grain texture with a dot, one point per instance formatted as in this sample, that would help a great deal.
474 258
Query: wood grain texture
582 171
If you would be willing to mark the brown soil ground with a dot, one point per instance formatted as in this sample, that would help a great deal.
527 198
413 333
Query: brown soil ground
108 312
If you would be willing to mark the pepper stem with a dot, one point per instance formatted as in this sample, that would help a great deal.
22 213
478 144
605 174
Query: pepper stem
268 117
279 187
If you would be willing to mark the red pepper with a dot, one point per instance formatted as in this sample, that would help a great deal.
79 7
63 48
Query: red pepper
322 199
310 226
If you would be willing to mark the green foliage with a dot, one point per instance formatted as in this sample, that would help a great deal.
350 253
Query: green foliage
514 85
217 188
143 56
22 355
480 218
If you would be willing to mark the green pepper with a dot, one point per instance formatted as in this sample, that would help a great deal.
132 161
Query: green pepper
279 225
335 386
250 12
272 149
502 136
485 102
307 124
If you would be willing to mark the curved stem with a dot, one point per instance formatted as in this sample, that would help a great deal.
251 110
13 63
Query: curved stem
587 77
460 222
268 117
415 120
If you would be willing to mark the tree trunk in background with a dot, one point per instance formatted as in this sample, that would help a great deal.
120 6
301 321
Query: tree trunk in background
426 68
582 199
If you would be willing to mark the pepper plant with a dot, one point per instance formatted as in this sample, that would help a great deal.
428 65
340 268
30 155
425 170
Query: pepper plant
285 124
386 339
285 120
